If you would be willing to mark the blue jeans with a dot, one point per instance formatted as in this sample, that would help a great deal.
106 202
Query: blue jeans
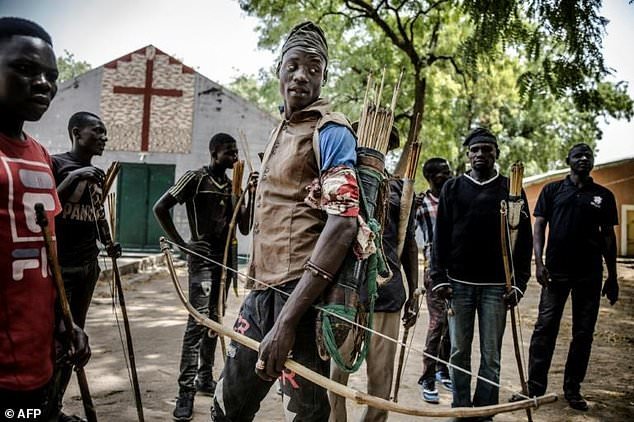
488 303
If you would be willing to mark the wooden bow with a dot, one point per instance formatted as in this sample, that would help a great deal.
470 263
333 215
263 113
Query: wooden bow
340 389
106 234
509 220
67 316
407 197
237 198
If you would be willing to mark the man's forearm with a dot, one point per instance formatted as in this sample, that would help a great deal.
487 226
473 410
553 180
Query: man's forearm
164 219
244 223
330 252
410 264
538 239
609 251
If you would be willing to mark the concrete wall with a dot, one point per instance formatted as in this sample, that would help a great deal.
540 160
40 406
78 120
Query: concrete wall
215 110
617 176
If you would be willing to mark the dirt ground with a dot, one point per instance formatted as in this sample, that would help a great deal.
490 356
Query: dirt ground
158 319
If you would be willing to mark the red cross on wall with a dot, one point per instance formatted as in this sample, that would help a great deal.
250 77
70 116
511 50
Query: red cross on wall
148 91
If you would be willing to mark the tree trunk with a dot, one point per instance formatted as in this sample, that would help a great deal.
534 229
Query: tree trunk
414 128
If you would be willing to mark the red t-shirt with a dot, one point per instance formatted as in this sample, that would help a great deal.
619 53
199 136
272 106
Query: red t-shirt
27 291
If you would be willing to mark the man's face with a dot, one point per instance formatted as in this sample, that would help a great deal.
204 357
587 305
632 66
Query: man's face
441 174
482 156
92 137
28 75
225 155
301 76
581 160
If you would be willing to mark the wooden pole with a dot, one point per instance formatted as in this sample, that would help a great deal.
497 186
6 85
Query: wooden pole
67 316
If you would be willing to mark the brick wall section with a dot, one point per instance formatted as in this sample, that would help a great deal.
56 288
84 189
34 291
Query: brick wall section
171 117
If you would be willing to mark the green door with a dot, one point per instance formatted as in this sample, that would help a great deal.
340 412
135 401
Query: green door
138 188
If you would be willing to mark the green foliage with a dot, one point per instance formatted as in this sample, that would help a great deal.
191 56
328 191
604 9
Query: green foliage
530 71
262 90
69 67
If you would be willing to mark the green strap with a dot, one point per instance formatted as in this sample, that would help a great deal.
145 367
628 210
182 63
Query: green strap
351 313
375 263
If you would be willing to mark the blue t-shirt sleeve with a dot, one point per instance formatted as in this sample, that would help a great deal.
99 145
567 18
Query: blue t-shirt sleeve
337 146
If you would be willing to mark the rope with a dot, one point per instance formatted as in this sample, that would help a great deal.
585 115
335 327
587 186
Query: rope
373 332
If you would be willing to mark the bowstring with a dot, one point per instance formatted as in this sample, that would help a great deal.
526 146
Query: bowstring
113 287
517 305
354 323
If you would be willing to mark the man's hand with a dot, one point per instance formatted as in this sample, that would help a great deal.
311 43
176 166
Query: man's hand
274 350
444 292
411 312
611 289
512 298
198 246
542 274
252 181
93 174
114 250
79 352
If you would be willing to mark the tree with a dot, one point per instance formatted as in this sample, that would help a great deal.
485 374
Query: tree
532 71
69 67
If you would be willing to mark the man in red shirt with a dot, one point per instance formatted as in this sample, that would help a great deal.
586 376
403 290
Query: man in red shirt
28 74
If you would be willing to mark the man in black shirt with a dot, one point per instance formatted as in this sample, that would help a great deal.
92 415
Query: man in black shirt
467 266
206 193
580 215
75 227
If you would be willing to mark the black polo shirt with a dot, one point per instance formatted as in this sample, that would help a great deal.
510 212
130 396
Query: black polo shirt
574 216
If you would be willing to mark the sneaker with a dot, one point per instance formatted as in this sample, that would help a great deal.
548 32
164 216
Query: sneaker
444 380
576 401
206 388
184 408
429 392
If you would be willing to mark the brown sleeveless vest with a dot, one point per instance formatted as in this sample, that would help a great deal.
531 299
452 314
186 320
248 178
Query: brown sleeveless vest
285 229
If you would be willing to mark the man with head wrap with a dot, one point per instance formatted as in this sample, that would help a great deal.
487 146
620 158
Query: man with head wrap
467 267
298 243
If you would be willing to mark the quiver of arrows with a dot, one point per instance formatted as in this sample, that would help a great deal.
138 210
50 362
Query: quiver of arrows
515 201
347 306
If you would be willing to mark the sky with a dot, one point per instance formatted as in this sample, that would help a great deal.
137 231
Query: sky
216 38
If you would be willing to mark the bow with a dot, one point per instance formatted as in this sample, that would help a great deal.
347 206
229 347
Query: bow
67 316
407 196
222 297
114 251
401 356
509 220
340 389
